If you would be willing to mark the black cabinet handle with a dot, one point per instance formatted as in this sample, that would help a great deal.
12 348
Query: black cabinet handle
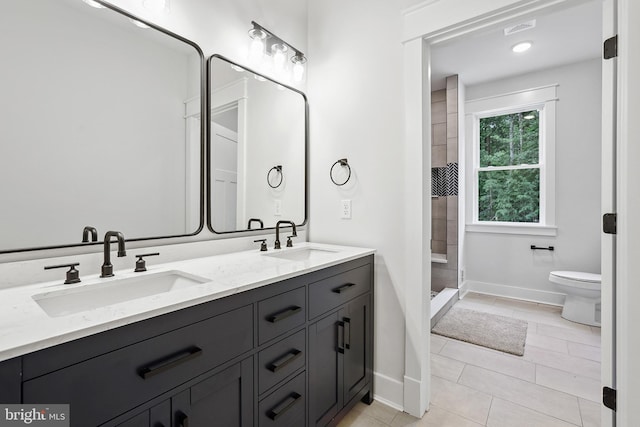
184 422
281 315
170 362
340 339
548 248
283 361
280 409
343 288
347 333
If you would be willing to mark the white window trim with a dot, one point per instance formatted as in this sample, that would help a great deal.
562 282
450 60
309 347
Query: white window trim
542 98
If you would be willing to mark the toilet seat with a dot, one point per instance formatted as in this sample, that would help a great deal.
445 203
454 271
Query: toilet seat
576 279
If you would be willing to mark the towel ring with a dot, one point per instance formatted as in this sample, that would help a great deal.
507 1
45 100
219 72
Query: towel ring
343 163
278 169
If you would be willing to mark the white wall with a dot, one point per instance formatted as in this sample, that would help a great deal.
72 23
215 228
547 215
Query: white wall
504 259
355 93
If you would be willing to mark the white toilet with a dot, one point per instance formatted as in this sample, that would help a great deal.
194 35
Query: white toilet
582 303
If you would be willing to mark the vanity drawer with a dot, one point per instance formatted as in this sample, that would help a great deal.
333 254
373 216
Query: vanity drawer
119 380
281 313
336 290
286 406
280 360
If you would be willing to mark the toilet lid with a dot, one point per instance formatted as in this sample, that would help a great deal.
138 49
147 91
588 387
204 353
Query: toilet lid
578 276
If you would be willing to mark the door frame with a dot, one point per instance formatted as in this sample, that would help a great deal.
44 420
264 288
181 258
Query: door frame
627 268
420 30
235 95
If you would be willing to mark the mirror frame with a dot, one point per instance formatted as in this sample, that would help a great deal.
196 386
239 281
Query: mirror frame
208 148
203 134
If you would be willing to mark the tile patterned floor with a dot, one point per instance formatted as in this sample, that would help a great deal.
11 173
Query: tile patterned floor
555 384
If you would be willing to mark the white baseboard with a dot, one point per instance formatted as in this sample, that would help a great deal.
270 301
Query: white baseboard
526 294
412 397
388 391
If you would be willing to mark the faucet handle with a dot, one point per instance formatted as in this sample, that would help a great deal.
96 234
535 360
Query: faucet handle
263 245
289 241
141 264
73 275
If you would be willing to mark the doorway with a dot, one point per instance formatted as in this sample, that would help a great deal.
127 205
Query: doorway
417 56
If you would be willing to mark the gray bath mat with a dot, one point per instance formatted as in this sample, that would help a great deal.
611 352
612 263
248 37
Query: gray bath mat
488 330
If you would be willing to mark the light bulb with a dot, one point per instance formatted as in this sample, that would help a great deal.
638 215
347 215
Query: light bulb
94 4
279 57
522 47
256 49
298 67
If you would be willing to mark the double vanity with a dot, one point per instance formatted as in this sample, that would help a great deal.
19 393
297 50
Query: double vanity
187 146
277 338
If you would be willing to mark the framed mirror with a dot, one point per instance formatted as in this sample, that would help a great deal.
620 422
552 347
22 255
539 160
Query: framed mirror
100 126
257 150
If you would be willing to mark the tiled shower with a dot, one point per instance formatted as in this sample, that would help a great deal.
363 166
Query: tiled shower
444 186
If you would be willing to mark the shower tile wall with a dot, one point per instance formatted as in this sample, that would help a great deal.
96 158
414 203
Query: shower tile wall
444 207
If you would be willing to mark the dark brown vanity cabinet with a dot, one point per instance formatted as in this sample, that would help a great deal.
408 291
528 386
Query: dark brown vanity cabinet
293 353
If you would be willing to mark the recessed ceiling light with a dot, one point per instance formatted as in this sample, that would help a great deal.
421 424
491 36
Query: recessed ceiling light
521 47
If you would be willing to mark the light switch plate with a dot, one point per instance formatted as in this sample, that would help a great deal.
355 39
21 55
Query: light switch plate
277 207
345 209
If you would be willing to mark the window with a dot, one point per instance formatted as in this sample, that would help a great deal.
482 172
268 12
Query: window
509 168
512 159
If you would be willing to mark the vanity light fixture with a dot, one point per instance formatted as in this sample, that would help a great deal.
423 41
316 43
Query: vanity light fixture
94 4
270 52
522 47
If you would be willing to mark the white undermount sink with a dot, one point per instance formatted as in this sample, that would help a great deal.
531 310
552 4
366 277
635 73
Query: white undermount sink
301 254
103 294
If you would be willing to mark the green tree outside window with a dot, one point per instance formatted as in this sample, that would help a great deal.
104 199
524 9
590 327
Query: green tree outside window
509 172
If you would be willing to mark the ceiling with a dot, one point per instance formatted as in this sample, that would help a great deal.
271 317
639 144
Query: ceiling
562 37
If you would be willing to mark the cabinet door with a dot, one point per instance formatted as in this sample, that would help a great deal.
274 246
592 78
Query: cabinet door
325 368
10 380
157 416
224 399
357 354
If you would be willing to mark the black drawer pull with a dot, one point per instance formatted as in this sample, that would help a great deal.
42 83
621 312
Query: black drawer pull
343 288
340 340
170 363
280 409
347 333
283 361
281 315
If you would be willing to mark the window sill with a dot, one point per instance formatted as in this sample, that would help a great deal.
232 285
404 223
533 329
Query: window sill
506 228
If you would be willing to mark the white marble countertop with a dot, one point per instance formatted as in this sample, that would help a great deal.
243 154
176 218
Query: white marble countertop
25 327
